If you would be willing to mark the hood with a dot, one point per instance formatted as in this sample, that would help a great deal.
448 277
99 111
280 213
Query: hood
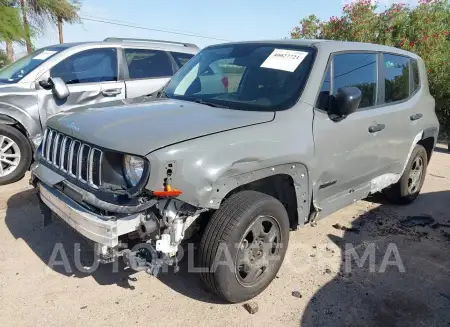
142 128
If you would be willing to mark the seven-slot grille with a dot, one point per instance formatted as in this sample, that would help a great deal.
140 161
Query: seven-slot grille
73 157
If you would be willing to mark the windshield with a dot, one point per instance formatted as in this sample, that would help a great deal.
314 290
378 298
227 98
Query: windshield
248 76
22 67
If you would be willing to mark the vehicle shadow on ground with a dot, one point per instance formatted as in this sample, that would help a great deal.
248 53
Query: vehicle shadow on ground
365 296
73 252
441 150
358 298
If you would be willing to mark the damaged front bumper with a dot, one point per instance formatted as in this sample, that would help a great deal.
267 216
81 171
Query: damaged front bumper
104 230
147 235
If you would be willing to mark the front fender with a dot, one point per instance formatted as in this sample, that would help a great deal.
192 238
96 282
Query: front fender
208 168
21 107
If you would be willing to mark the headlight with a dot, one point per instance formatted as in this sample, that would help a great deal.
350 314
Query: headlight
133 168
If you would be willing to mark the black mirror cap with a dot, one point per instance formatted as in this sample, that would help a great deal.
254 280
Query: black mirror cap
46 84
346 100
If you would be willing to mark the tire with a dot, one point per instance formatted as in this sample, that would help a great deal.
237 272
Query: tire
23 145
401 192
231 231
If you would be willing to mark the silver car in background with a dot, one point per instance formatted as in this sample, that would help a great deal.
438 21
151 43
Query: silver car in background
66 76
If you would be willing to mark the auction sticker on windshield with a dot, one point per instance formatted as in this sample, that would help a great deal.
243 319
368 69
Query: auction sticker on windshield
44 55
287 60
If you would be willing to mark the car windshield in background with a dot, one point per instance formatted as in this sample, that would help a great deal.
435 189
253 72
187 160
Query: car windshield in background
22 67
251 76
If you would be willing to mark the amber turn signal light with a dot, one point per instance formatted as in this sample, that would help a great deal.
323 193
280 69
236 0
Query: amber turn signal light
168 192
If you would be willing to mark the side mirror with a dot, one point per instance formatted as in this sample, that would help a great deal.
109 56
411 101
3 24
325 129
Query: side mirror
346 101
57 85
60 88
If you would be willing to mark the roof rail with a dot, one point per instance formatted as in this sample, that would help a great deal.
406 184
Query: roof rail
120 39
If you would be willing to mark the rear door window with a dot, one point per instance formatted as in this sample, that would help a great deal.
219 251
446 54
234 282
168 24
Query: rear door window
144 63
396 78
181 58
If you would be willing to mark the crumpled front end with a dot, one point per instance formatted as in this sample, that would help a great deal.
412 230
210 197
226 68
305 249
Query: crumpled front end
91 190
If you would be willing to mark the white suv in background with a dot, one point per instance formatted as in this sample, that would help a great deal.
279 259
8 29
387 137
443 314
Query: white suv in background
65 76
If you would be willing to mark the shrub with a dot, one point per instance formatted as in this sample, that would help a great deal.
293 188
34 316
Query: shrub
424 30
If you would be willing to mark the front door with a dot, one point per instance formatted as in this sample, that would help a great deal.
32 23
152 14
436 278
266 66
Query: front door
347 149
91 76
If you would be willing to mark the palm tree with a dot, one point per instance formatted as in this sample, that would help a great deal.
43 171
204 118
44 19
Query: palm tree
64 11
36 13
34 16
26 25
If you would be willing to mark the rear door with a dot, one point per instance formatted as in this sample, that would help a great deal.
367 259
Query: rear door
147 71
91 77
347 149
401 108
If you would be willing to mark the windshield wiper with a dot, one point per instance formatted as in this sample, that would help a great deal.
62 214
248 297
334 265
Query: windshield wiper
211 104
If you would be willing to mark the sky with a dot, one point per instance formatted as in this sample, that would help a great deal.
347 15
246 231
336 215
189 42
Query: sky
230 20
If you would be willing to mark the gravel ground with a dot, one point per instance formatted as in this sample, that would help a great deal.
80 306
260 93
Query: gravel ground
327 292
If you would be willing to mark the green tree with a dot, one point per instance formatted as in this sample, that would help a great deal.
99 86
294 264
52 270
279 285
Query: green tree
4 60
11 28
309 28
424 29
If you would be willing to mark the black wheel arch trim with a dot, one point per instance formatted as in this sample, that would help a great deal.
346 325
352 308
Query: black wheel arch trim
7 120
431 132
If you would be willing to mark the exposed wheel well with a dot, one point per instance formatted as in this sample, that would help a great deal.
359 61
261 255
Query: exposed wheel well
4 119
428 144
279 186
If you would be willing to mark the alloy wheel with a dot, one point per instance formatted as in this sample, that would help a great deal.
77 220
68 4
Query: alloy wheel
415 175
9 155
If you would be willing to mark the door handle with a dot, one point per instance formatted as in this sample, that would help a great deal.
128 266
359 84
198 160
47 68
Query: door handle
111 92
415 117
376 128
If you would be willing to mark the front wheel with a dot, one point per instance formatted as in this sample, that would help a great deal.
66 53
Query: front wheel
244 245
408 187
15 154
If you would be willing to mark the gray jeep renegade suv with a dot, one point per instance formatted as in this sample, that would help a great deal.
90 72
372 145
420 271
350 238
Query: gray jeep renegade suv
247 141
65 76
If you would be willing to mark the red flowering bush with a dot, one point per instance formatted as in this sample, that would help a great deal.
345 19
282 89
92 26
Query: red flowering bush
424 29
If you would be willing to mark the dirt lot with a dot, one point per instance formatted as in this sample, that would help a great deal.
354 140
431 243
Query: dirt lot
33 294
